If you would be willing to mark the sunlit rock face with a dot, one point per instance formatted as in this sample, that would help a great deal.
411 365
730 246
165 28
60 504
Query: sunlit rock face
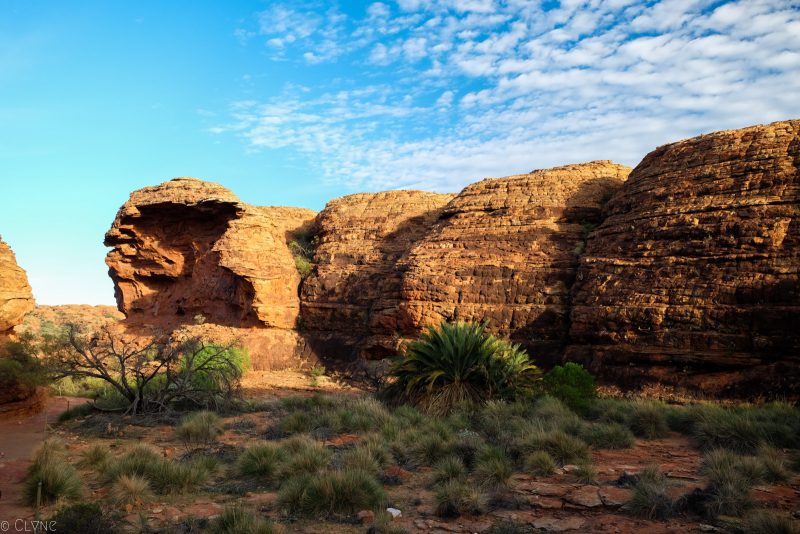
187 248
16 298
505 251
692 278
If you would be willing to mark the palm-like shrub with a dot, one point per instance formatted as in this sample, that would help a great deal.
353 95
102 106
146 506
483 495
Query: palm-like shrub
456 363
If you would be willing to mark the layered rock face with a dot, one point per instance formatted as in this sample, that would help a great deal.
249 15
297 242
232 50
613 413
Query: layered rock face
505 251
16 298
350 301
189 251
692 279
187 248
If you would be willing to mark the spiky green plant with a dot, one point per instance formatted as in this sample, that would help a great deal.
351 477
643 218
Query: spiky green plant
458 363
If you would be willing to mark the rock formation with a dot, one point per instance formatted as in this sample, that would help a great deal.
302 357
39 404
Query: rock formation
189 251
350 301
692 278
15 294
505 251
187 248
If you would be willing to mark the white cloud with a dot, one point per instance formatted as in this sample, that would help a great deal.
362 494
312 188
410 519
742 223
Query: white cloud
587 80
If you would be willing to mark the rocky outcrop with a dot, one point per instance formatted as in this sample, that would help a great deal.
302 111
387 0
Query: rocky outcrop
16 298
350 302
189 250
692 279
505 251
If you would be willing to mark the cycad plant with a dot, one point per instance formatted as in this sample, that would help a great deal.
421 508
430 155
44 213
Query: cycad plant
459 362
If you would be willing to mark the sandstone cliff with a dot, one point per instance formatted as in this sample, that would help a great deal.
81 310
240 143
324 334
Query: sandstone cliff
692 279
505 251
189 251
15 294
350 301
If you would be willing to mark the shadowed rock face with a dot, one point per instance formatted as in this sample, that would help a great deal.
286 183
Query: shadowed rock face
505 251
692 279
350 302
188 247
16 298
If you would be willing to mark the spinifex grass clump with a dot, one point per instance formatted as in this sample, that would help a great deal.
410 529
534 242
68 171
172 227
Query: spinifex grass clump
339 492
164 476
51 477
262 461
237 520
650 497
199 429
456 363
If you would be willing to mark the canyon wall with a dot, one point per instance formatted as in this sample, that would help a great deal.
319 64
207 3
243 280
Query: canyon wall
685 273
505 251
692 278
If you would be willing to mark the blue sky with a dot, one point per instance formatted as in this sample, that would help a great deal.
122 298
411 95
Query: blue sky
294 103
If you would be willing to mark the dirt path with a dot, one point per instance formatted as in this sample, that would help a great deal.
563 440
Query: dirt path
19 438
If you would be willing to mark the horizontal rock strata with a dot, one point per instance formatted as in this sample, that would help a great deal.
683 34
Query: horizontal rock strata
16 298
692 279
505 251
350 301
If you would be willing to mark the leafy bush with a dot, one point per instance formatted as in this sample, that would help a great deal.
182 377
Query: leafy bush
457 363
333 492
456 497
199 428
572 384
51 472
650 498
19 368
85 518
237 520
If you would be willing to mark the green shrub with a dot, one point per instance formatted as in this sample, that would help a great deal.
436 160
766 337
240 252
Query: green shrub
85 518
539 463
572 384
20 368
456 497
648 420
51 477
263 460
608 436
237 520
650 498
458 363
328 493
304 267
130 489
199 428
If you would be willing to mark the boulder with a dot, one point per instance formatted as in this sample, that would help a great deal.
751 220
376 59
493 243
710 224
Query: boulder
692 278
505 251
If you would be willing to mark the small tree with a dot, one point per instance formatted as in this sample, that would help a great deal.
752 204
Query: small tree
150 373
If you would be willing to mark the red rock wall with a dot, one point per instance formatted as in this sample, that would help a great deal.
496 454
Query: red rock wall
692 279
350 301
505 251
16 298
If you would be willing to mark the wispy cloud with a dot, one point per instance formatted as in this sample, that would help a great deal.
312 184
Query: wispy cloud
446 92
